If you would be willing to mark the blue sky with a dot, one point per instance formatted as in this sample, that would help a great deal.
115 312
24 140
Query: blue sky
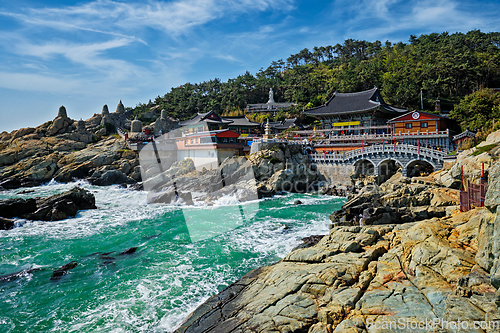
84 54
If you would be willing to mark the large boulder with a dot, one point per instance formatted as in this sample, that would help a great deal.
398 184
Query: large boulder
6 224
62 206
491 139
110 177
17 207
492 200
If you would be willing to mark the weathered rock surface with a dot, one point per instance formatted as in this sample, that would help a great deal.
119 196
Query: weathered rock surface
66 150
398 200
35 161
53 208
358 278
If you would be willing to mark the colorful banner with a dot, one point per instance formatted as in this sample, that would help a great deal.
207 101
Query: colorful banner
346 123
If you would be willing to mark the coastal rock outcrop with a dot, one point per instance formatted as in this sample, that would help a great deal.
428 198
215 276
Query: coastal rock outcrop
356 279
398 200
53 208
30 162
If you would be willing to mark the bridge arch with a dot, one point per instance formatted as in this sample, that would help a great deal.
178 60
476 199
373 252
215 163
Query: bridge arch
387 168
419 167
364 166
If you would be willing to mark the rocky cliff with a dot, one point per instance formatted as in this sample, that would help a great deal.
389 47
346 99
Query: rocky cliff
414 264
64 150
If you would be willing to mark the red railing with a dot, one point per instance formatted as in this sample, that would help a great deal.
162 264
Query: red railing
475 194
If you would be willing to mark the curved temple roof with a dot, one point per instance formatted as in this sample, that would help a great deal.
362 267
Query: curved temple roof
346 103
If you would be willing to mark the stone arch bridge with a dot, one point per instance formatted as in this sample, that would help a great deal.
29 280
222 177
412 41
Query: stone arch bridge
376 160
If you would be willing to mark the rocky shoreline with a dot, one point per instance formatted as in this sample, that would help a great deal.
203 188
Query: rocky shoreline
414 259
400 250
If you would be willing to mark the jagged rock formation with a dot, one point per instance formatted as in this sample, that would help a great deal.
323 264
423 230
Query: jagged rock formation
53 208
164 124
61 123
399 200
28 161
66 150
358 278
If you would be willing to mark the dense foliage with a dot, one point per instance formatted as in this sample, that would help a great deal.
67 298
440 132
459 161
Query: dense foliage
444 66
479 110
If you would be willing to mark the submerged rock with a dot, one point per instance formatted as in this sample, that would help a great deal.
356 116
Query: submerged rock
6 224
130 250
17 275
63 270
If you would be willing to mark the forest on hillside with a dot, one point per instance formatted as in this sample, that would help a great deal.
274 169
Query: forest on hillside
445 66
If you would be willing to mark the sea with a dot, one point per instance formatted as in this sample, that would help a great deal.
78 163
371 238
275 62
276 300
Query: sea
185 254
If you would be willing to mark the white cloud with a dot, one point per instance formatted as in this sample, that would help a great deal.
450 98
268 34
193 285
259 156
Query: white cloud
385 19
174 17
85 54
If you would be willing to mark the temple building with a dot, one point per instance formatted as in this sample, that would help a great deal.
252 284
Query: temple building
243 126
422 128
280 126
208 149
210 121
356 113
465 135
203 122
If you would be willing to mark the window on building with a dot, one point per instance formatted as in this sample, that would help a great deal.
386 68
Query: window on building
424 125
408 125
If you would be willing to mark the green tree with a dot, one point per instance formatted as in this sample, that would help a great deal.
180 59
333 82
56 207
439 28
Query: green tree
480 110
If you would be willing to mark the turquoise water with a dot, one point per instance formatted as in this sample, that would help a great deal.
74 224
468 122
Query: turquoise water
184 256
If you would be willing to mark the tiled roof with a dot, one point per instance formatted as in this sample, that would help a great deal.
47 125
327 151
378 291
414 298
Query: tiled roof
241 121
287 123
345 103
205 117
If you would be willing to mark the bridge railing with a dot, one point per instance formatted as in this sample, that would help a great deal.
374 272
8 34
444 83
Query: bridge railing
290 142
339 156
329 139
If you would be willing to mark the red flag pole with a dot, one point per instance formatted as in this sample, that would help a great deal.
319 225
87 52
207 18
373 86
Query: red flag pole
461 178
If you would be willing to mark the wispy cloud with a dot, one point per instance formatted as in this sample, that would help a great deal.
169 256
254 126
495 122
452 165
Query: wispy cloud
175 17
383 19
